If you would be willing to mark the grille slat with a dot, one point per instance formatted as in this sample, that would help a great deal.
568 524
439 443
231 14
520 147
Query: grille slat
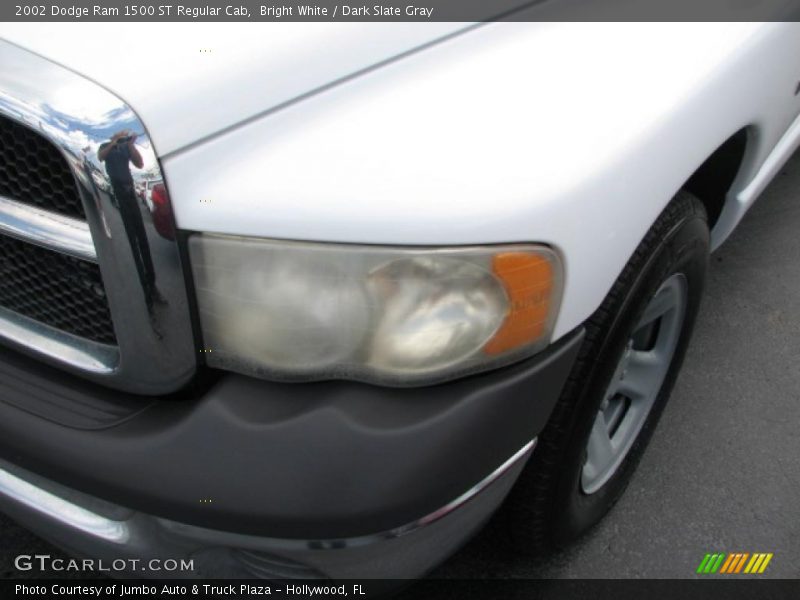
33 171
44 228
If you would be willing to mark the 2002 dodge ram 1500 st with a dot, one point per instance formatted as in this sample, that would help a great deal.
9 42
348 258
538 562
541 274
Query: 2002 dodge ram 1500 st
312 302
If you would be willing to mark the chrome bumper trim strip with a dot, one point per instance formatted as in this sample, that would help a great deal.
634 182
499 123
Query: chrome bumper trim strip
457 502
47 229
62 510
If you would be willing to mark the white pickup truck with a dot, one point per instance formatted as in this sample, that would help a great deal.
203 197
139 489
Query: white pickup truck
394 274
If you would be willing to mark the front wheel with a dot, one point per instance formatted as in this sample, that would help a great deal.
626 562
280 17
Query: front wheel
634 346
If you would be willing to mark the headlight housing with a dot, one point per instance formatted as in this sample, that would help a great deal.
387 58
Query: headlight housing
390 315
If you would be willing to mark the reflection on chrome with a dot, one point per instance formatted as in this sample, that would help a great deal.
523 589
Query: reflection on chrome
140 265
118 154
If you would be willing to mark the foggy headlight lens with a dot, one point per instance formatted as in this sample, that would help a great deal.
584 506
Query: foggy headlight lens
398 316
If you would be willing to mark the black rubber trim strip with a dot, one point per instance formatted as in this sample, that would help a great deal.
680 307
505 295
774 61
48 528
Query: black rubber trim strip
302 461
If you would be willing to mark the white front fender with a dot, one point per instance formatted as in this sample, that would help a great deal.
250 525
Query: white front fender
575 135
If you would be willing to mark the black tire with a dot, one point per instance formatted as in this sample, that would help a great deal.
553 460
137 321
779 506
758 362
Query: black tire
548 507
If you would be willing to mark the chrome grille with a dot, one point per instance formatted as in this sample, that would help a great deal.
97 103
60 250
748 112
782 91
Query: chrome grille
89 284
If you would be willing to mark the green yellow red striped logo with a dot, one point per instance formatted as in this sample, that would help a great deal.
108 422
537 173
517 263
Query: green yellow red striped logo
734 563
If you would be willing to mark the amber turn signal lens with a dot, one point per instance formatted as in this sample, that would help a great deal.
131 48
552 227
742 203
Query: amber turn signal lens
528 280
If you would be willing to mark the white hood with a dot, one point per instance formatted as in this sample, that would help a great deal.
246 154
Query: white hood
188 81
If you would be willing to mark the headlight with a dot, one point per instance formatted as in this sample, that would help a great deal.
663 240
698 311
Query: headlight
391 315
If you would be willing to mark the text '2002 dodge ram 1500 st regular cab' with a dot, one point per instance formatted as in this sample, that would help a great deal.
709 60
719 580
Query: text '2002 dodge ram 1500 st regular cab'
311 304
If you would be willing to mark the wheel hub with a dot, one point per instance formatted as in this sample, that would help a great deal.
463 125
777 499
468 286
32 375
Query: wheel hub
635 384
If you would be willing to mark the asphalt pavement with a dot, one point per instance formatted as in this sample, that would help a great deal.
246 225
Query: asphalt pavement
722 473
